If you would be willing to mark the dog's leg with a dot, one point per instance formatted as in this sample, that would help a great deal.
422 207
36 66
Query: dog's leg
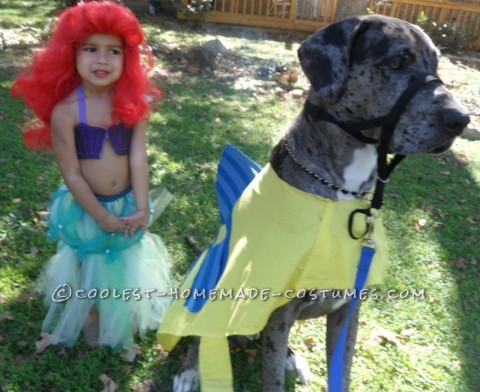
275 344
298 366
187 378
335 322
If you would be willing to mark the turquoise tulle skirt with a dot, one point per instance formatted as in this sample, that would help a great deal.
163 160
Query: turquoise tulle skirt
127 279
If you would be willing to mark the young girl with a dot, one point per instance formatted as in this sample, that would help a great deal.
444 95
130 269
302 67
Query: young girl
89 89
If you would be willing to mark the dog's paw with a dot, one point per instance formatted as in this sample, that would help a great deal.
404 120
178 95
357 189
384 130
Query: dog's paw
186 381
297 365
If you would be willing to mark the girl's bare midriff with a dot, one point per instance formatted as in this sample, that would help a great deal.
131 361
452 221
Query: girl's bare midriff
108 175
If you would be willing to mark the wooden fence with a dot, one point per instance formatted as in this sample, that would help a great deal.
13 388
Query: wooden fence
310 15
465 17
298 15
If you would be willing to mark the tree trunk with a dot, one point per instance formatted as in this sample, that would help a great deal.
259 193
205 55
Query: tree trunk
347 8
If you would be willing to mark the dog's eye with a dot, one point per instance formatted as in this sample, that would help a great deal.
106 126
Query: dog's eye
400 61
396 62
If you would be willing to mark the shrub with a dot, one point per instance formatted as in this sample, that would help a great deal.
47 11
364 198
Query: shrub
446 35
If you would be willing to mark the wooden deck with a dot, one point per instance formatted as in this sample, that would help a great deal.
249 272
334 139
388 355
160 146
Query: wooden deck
298 15
465 16
310 15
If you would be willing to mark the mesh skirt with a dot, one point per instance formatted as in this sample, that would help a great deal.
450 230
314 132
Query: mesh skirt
126 279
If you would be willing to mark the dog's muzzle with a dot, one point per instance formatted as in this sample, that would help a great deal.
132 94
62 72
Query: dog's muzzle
388 124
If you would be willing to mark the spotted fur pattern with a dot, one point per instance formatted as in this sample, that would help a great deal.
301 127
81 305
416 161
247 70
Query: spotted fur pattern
357 68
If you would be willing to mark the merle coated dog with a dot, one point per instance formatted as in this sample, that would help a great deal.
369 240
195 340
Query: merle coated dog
359 68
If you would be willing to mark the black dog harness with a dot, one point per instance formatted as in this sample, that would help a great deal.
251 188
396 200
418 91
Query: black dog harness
388 124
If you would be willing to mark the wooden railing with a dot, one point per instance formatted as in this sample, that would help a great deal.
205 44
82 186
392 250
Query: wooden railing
465 17
298 15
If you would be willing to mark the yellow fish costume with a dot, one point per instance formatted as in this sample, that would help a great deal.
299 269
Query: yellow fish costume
275 242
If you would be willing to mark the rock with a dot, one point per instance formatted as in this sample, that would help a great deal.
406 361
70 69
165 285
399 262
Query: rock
471 133
297 93
205 56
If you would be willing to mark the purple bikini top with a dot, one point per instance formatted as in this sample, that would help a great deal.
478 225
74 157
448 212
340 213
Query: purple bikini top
89 140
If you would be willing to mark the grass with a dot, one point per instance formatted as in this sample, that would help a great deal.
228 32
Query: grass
428 342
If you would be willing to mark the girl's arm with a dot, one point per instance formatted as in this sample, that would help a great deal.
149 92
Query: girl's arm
63 142
139 178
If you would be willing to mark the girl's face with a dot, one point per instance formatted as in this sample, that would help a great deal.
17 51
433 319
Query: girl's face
99 61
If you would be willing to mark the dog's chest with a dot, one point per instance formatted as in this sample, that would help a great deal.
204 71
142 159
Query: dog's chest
359 171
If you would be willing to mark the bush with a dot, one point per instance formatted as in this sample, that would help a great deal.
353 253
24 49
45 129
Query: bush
196 11
446 35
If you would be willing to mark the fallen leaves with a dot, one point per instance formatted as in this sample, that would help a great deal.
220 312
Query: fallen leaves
463 264
162 354
309 342
6 316
108 383
252 355
130 354
383 337
43 343
471 220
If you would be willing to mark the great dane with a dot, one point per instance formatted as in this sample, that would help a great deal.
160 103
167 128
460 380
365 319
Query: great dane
359 68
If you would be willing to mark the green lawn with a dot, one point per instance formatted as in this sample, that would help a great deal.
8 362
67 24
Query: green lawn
428 341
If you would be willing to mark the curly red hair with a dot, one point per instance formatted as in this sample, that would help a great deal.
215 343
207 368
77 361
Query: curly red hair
53 74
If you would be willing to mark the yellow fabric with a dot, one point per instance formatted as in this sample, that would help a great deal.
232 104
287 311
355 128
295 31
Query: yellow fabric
214 365
283 240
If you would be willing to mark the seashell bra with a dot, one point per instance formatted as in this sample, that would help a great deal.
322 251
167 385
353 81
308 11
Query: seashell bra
89 139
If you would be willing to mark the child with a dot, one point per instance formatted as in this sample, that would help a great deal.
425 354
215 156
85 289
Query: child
89 89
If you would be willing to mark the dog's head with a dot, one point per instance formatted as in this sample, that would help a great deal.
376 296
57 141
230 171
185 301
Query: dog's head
359 67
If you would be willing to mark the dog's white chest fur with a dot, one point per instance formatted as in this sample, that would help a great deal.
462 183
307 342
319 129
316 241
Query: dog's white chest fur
359 171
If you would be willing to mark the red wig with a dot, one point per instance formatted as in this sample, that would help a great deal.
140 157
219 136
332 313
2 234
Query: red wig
53 74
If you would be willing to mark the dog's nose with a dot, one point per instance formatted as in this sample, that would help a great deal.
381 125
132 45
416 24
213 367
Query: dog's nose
455 120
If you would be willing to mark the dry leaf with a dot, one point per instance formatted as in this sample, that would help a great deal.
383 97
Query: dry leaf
130 354
108 383
34 250
472 220
409 331
27 296
252 355
6 316
460 263
384 336
162 354
422 222
416 226
43 343
457 365
437 225
309 342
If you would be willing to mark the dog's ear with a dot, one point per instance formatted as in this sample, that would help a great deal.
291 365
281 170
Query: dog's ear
325 57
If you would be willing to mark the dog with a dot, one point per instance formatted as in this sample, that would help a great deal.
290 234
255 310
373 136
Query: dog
359 70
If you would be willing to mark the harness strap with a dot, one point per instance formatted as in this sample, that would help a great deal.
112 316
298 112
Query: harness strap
335 371
384 169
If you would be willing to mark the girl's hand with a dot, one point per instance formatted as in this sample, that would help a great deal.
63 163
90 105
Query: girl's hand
138 220
111 223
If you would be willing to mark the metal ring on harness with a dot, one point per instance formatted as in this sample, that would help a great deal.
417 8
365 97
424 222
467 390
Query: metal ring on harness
368 223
